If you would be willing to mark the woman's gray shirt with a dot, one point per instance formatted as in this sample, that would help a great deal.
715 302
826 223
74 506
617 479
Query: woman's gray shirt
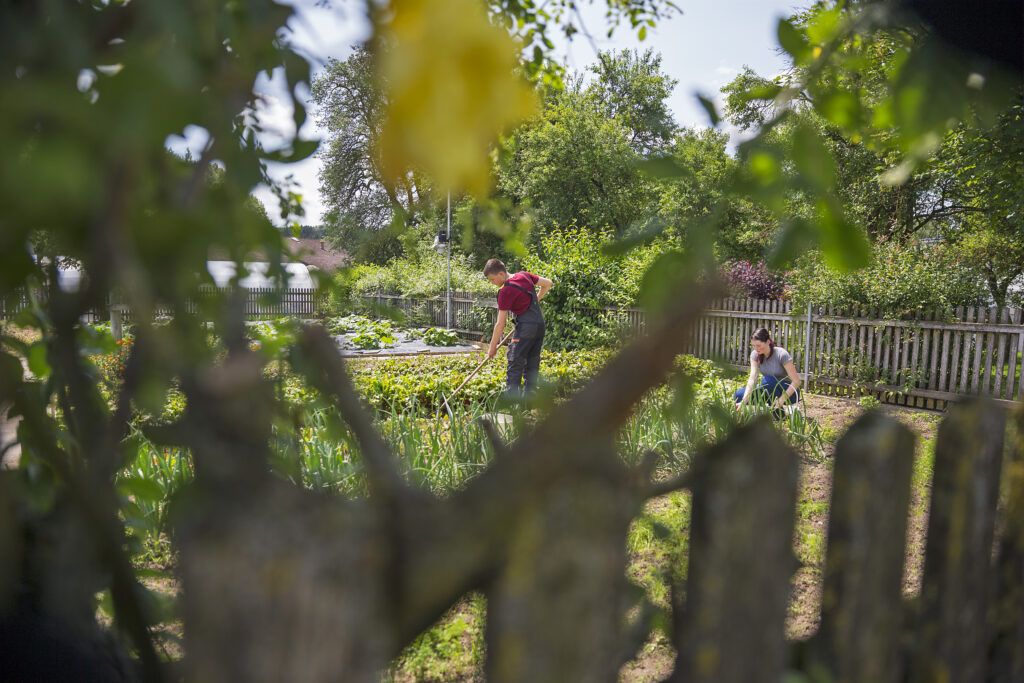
774 364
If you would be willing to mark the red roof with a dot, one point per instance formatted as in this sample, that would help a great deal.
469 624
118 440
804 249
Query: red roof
315 252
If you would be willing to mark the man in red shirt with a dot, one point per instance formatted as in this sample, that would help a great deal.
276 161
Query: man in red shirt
517 295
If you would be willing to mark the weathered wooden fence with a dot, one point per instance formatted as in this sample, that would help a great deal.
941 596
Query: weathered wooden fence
470 312
966 625
259 303
923 361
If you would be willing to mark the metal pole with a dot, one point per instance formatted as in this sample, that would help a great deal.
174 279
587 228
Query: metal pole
449 287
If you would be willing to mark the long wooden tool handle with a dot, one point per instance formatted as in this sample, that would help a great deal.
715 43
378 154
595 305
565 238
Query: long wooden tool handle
475 370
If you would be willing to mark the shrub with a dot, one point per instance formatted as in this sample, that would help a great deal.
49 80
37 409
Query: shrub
422 272
901 279
436 336
586 276
754 281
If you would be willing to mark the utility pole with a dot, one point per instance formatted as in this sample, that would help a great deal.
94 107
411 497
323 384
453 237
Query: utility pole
449 235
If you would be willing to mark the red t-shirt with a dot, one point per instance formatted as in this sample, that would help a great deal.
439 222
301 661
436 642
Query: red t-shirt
512 299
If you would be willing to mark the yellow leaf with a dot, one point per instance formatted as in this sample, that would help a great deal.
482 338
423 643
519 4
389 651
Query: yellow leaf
452 89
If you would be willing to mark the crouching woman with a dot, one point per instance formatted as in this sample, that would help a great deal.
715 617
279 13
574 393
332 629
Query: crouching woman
780 382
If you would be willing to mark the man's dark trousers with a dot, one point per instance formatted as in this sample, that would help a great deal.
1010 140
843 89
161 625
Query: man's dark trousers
524 357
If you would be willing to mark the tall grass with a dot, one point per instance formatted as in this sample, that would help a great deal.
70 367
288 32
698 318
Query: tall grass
442 453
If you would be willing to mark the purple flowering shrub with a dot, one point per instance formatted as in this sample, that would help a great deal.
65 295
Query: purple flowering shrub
755 281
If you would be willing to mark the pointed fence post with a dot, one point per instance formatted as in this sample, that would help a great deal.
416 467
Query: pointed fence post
958 570
731 628
862 610
1007 660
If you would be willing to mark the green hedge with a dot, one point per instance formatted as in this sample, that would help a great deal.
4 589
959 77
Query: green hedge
585 275
901 279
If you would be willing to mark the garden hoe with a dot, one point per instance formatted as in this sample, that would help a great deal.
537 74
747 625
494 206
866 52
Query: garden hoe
445 406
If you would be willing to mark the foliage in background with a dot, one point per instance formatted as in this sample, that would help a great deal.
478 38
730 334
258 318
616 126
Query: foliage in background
868 98
361 202
574 165
586 275
422 272
987 166
753 281
900 280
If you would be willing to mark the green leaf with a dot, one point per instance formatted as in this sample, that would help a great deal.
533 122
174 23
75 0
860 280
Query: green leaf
794 42
37 362
142 490
841 107
796 237
812 158
844 245
709 107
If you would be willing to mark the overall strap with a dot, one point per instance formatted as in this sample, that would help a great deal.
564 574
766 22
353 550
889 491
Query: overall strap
521 289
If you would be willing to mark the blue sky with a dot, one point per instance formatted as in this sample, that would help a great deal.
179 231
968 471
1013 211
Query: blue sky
703 48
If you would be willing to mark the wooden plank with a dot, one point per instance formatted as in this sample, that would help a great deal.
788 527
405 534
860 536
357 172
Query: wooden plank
716 338
926 393
936 344
968 351
1020 350
834 359
990 343
1007 648
862 610
1014 344
916 349
875 345
954 358
897 356
978 343
727 332
740 335
958 572
821 339
1001 345
944 359
737 585
937 324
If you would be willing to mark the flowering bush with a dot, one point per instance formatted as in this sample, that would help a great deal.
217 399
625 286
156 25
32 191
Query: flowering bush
754 281
110 366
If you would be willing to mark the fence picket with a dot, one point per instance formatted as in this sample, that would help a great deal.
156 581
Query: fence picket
986 370
968 348
862 584
954 360
958 552
1007 662
744 493
1001 344
1014 344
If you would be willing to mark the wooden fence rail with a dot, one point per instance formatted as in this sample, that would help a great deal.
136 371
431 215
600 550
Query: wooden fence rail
924 361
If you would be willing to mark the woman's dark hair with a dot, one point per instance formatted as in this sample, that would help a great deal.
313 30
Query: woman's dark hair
762 335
